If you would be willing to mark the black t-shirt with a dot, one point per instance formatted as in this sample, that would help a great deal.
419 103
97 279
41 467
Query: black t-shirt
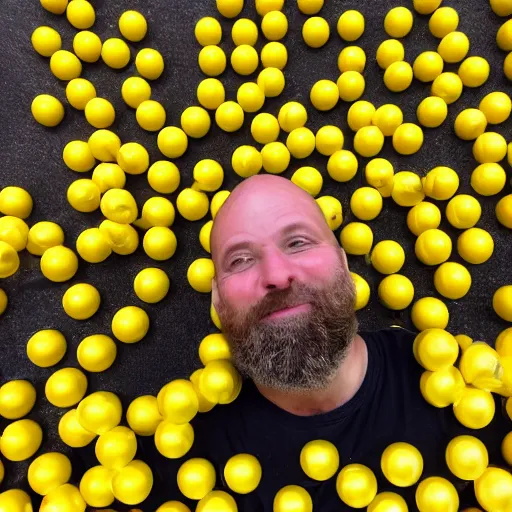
387 408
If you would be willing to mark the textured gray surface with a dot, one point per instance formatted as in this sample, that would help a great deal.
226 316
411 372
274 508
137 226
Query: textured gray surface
31 158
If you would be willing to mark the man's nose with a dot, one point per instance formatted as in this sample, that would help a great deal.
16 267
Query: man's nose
277 271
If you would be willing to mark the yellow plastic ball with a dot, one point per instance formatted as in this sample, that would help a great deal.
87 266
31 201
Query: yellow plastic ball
208 175
437 493
66 387
72 432
250 97
429 313
196 478
20 440
464 341
17 398
230 8
79 92
475 409
440 183
506 448
407 189
93 246
130 324
475 245
301 142
426 6
310 7
350 25
108 176
81 301
265 128
151 285
46 41
244 31
402 464
55 7
9 260
217 500
204 235
100 113
14 231
219 381
435 349
45 348
315 32
96 353
149 63
246 161
388 257
271 81
104 146
47 110
78 157
44 235
115 53
356 485
48 472
388 502
423 216
81 14
362 291
368 141
452 280
324 95
99 412
309 179
388 118
501 7
352 58
116 448
443 21
143 415
173 441
192 204
470 124
59 264
84 195
474 71
132 484
217 201
274 25
490 147
244 59
453 47
432 112
447 86
292 497
356 238
65 65
488 179
428 66
87 46
408 139
67 498
493 489
478 366
96 487
496 107
504 37
319 459
208 31
173 506
274 55
396 292
242 473
3 303
398 22
172 142
211 93
293 114
133 26
158 211
433 247
200 274
379 173
229 116
442 387
119 206
133 158
276 157
351 86
504 211
390 51
212 60
502 302
360 114
328 140
398 76
342 165
214 347
366 203
507 66
135 90
151 115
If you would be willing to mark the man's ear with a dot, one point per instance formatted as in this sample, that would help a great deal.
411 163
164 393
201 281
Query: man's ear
344 257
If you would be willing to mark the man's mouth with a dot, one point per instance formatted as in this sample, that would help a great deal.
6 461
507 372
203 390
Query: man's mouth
288 311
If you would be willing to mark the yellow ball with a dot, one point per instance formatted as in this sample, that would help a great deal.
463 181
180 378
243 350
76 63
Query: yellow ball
108 176
119 206
447 86
408 139
130 324
274 25
14 231
315 32
17 398
293 114
490 147
217 500
67 498
172 142
59 264
208 175
435 349
9 260
319 459
100 113
402 464
292 497
173 441
433 247
463 211
44 235
151 285
452 280
271 81
220 382
504 37
474 71
229 116
432 112
443 21
464 341
496 107
470 124
388 118
133 158
442 387
87 46
342 165
212 60
244 31
356 485
80 14
208 31
274 55
488 179
426 6
217 201
478 366
475 409
440 183
388 502
196 478
200 274
84 195
66 387
55 7
301 142
3 303
352 58
81 301
265 128
350 25
96 487
78 157
475 245
328 140
366 203
388 257
149 63
506 448
151 115
368 141
105 145
158 211
423 216
310 7
215 317
204 235
48 472
99 412
379 173
507 66
230 8
96 353
362 291
324 95
143 416
115 53
351 85
214 347
250 97
93 246
428 66
79 92
501 7
211 93
276 157
398 76
494 489
242 473
192 204
65 65
429 313
132 484
360 114
504 211
135 90
398 22
246 161
436 493
116 448
453 47
45 348
20 440
396 292
72 432
244 59
46 41
502 302
390 51
47 110
356 238
133 26
309 179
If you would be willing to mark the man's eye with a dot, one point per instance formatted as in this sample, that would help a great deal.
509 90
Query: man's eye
239 262
297 243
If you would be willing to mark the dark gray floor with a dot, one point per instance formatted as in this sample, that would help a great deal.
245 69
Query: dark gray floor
31 158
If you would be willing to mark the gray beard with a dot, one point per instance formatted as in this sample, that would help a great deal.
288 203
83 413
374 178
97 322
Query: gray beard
297 353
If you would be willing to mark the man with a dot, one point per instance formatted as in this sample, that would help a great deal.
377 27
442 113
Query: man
285 298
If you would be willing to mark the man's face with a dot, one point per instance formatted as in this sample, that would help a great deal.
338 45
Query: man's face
282 289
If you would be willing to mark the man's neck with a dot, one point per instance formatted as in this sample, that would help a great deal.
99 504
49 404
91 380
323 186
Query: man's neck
344 386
